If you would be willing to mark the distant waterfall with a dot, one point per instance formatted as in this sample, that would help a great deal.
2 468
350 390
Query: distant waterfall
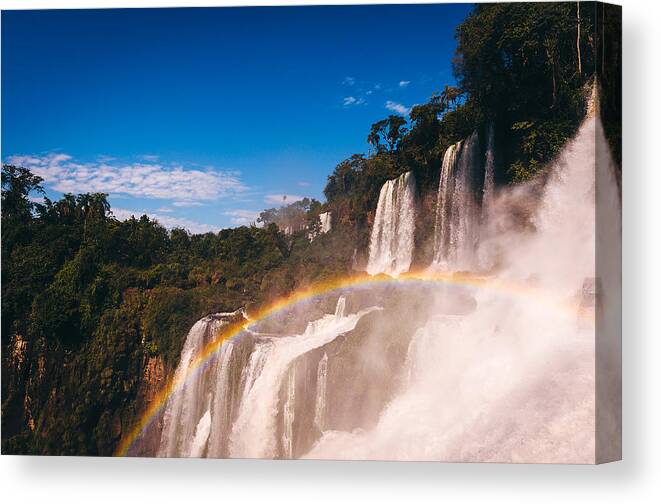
325 220
325 225
465 187
392 238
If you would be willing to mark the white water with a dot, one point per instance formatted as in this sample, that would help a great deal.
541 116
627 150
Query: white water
325 220
466 179
201 436
325 225
489 169
392 237
289 414
320 401
252 433
221 403
186 406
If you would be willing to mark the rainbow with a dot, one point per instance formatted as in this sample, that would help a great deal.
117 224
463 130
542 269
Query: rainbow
235 329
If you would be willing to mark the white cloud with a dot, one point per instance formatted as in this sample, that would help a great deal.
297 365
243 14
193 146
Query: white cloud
149 157
187 203
349 81
398 107
242 217
144 179
282 199
404 83
167 221
351 100
303 183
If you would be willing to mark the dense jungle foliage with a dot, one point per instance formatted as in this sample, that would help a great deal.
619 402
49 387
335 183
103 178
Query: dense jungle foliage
87 299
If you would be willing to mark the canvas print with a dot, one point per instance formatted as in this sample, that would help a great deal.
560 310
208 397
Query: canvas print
384 232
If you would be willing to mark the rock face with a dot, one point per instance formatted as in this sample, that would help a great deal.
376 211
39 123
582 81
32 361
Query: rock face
153 378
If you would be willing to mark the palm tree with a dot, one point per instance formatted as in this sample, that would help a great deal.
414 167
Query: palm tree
449 96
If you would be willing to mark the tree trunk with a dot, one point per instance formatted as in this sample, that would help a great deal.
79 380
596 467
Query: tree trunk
578 36
554 84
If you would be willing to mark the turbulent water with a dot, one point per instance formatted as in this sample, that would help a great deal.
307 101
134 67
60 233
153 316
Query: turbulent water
454 373
392 237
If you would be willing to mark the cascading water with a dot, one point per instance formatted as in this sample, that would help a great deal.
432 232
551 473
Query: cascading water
325 225
187 417
463 184
392 238
289 414
489 169
320 401
252 433
232 407
325 221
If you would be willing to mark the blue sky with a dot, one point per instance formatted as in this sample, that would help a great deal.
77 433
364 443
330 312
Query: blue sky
203 117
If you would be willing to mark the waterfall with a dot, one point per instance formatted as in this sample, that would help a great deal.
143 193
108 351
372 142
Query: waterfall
460 192
320 402
288 414
231 407
221 405
252 433
325 220
201 436
325 225
188 406
489 167
392 237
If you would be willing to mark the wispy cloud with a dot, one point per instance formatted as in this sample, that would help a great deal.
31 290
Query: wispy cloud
303 183
242 217
397 107
143 179
150 157
187 203
282 199
352 100
404 83
167 221
349 81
